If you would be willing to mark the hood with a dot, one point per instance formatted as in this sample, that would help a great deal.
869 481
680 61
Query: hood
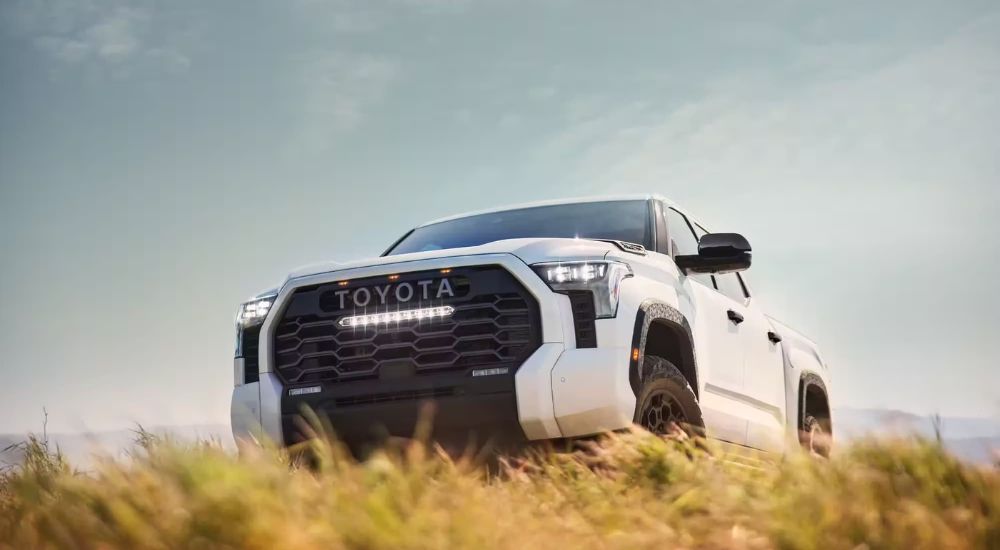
530 251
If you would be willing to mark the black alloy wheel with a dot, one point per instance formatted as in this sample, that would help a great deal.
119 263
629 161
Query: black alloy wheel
661 413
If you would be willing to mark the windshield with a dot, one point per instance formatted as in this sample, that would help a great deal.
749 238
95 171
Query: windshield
615 220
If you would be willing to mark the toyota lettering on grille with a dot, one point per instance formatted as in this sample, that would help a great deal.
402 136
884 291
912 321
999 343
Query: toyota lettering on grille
395 293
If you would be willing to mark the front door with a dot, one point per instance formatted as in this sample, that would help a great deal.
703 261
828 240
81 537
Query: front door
717 339
720 362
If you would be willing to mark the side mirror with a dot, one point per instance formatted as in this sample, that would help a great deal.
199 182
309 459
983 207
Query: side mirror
718 253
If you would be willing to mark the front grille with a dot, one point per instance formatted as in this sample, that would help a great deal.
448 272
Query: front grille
495 324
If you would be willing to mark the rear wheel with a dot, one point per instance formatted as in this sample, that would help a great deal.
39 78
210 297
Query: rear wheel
666 401
814 437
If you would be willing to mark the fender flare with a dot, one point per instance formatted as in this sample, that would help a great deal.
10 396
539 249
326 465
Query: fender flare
654 311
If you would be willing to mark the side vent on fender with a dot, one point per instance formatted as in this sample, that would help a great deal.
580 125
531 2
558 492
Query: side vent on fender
582 302
251 357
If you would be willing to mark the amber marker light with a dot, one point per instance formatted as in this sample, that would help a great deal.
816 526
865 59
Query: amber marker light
342 283
635 354
446 271
393 277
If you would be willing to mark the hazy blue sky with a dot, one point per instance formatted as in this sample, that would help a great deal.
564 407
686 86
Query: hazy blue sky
162 161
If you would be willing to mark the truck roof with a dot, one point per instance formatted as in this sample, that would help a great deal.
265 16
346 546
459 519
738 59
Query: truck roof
632 197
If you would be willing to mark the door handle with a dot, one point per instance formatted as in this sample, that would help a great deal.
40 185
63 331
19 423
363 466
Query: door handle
774 337
736 318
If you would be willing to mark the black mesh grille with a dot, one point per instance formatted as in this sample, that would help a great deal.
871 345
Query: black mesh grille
495 323
584 314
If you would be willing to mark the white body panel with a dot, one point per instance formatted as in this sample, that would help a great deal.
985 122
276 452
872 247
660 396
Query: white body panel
534 393
720 354
747 385
591 391
801 359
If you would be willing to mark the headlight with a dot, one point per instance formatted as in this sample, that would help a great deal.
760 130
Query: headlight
253 312
602 278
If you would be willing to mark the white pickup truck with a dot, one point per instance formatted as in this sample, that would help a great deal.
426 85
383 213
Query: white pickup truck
545 321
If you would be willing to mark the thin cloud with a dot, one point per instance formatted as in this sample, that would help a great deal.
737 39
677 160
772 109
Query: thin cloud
343 16
66 50
115 37
366 16
881 176
751 129
113 34
437 5
340 89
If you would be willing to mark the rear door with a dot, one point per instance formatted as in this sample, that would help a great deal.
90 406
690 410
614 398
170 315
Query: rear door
719 350
763 367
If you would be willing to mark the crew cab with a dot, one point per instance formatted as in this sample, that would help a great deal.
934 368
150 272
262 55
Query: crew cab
545 321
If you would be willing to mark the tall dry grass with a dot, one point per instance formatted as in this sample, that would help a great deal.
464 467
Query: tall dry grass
625 491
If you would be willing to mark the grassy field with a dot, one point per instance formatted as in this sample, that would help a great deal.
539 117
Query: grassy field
627 491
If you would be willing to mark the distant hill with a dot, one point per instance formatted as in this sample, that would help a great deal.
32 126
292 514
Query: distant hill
9 457
970 438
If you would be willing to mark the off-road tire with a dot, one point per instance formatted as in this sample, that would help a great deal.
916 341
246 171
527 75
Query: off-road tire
814 437
666 400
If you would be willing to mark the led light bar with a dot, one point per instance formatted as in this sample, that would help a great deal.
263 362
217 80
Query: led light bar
396 316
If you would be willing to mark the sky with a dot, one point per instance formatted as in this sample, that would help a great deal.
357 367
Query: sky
162 161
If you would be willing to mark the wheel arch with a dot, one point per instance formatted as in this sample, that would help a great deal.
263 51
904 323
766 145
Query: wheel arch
814 399
663 331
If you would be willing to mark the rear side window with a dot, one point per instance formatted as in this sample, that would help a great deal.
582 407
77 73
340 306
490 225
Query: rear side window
730 284
683 242
699 231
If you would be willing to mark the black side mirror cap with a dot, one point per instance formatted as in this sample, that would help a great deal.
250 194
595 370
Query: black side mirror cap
718 253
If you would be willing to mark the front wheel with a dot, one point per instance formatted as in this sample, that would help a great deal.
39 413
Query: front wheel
666 401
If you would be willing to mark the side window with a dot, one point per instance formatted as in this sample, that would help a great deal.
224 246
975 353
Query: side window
743 281
731 286
683 242
699 231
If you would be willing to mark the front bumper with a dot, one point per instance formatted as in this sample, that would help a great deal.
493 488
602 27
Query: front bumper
559 391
